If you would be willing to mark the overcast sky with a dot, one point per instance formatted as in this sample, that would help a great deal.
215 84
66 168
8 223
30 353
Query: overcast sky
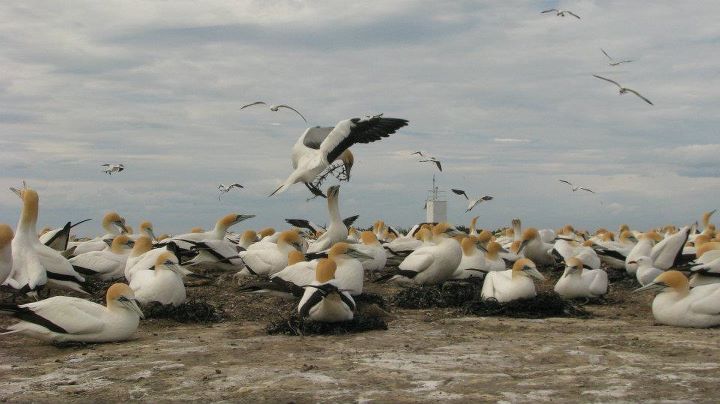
502 94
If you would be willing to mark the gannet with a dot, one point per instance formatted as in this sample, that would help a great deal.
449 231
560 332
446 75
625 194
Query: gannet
107 264
680 306
58 239
146 229
143 257
275 108
112 168
162 284
222 254
112 223
472 261
577 282
323 299
318 147
222 189
535 249
577 188
624 90
612 61
69 319
505 286
248 238
336 231
433 160
643 247
432 264
268 258
645 272
493 261
560 13
668 252
472 230
6 259
472 202
349 273
371 247
217 233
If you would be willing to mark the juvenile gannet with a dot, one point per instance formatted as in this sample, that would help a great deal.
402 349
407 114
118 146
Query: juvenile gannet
432 264
107 264
336 231
577 188
612 62
275 108
323 299
58 239
645 272
577 282
268 258
624 90
162 284
69 319
6 260
222 189
318 147
505 286
472 202
560 13
680 306
112 168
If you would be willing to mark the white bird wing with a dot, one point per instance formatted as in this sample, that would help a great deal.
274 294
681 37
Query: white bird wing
100 262
598 281
293 109
612 81
638 94
75 316
253 103
300 274
418 261
356 130
708 300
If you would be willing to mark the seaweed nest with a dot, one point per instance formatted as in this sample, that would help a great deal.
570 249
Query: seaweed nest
366 298
449 294
188 312
546 304
295 325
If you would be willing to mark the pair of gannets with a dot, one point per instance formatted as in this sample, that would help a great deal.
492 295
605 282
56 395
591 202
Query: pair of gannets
579 282
478 260
108 264
432 264
680 306
642 248
325 299
69 319
513 284
163 283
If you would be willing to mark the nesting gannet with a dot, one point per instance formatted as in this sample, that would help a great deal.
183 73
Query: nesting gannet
624 90
318 147
222 189
268 258
323 299
614 62
642 248
107 264
646 271
680 306
535 249
560 13
6 259
336 231
69 319
349 274
162 284
143 256
577 188
505 286
112 223
58 239
275 108
472 202
112 168
217 233
371 247
472 262
577 282
292 278
668 252
493 260
433 160
432 264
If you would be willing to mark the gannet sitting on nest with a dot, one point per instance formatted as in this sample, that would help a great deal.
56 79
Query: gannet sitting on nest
323 299
514 284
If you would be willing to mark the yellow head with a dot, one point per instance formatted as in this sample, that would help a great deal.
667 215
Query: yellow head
117 291
673 279
6 235
525 267
249 235
368 238
468 245
574 262
530 234
441 229
291 238
119 243
493 249
338 249
348 160
165 258
142 245
228 220
325 270
268 231
484 236
423 235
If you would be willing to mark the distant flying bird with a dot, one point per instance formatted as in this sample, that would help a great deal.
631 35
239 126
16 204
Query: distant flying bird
419 153
472 202
574 188
223 189
433 160
614 62
275 108
624 90
561 13
112 168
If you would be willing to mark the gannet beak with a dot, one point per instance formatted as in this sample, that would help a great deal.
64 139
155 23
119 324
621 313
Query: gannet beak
133 305
650 286
16 191
535 273
121 225
151 234
240 218
357 254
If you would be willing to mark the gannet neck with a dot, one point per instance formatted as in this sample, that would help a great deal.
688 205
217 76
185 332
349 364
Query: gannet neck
334 209
29 215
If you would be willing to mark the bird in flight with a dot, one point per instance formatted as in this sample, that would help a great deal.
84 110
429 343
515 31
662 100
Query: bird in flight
561 13
275 108
574 188
112 168
472 202
624 90
225 189
614 62
419 153
433 160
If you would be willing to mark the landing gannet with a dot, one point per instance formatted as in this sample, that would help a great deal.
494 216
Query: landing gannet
275 108
6 259
318 147
680 306
577 282
107 264
505 286
472 202
624 90
560 13
112 168
646 272
268 258
323 299
432 264
336 231
162 284
69 319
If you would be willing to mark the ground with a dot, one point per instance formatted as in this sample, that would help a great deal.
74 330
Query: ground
425 355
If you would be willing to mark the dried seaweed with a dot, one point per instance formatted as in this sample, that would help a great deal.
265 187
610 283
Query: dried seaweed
449 294
547 304
295 325
188 312
367 298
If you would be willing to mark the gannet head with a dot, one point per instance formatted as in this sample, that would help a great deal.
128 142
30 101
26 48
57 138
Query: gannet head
493 248
113 219
325 270
484 237
295 256
468 245
423 234
528 235
120 296
120 243
332 192
348 160
31 203
444 230
142 245
607 236
147 228
623 227
706 217
567 230
574 265
627 235
643 261
291 238
6 236
232 219
473 221
525 267
169 261
669 280
249 235
368 238
268 231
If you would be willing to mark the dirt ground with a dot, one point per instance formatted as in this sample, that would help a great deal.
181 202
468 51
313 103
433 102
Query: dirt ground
425 355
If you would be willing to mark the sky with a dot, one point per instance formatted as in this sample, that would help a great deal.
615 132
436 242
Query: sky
502 94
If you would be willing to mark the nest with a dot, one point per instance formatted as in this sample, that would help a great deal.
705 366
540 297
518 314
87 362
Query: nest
188 312
449 294
295 325
546 304
366 298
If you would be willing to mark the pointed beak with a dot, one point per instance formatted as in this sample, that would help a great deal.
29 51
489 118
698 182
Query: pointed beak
16 191
535 273
649 286
151 234
241 218
133 305
121 225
